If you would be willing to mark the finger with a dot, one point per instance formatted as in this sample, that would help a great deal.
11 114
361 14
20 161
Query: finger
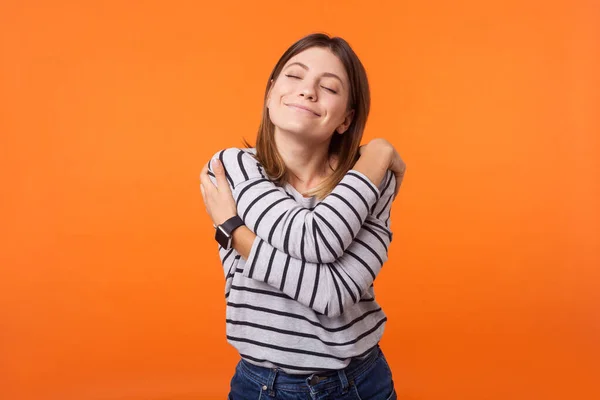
219 171
202 173
203 192
206 182
206 205
399 179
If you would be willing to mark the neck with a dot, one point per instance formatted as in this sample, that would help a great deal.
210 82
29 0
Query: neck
308 163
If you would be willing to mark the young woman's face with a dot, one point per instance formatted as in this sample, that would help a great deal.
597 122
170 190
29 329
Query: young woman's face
310 96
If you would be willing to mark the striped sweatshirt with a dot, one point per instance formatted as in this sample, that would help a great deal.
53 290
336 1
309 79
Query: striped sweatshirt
304 300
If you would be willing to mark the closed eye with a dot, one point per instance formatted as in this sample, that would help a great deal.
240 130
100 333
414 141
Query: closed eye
326 88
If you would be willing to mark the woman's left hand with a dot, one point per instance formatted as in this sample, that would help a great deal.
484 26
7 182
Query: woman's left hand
218 200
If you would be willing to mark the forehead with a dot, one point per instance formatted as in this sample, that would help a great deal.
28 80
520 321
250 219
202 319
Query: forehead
319 60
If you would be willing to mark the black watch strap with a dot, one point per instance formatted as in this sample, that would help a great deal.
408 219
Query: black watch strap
232 224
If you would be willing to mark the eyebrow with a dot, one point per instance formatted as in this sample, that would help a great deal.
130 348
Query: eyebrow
330 74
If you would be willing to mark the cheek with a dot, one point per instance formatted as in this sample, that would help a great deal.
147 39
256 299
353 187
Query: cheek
336 109
275 96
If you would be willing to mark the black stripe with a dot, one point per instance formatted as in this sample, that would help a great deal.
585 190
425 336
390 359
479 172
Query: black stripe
314 293
226 256
299 281
362 262
260 291
349 206
337 289
340 217
302 317
372 232
384 230
366 300
332 230
260 170
256 200
239 197
331 250
383 191
270 265
286 241
354 282
366 246
334 270
266 210
308 335
241 163
211 174
316 243
302 266
233 263
275 226
357 193
260 243
369 184
281 348
384 207
223 165
285 270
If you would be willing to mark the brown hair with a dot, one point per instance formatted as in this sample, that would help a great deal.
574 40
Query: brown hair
344 147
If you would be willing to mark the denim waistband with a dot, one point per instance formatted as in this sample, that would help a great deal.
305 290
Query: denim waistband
274 377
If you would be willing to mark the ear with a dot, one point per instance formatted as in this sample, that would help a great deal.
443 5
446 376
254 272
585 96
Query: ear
346 124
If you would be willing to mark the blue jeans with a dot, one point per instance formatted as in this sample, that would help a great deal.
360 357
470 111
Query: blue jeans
368 379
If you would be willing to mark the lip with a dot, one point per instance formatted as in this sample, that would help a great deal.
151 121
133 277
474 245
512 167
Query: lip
302 108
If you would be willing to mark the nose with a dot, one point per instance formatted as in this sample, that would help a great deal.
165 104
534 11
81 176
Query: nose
308 91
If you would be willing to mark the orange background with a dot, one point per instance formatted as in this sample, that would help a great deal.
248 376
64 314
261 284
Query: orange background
110 282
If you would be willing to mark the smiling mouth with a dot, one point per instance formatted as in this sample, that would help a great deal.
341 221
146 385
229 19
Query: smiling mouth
302 109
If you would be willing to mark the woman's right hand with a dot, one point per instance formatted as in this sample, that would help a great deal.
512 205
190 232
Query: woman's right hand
383 148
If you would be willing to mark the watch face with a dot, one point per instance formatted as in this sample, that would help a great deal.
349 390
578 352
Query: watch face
223 238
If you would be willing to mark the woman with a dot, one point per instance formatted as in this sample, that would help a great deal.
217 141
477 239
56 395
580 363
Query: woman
302 222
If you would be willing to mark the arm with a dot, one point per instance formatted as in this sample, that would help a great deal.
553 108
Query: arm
243 237
328 288
324 232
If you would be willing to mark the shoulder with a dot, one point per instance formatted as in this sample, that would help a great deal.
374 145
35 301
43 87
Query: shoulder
233 152
239 163
234 157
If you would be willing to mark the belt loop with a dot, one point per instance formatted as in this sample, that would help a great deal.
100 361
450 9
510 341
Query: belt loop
271 382
343 380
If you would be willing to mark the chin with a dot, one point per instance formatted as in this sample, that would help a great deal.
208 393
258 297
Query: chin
292 126
295 130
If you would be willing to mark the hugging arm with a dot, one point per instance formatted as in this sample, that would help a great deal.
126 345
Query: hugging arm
319 235
328 288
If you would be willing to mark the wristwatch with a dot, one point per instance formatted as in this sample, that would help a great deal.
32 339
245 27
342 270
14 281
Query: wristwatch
224 232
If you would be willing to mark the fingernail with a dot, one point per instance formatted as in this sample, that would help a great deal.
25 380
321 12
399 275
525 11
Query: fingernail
216 163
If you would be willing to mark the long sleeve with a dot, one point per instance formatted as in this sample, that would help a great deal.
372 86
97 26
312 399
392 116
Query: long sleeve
330 287
318 235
